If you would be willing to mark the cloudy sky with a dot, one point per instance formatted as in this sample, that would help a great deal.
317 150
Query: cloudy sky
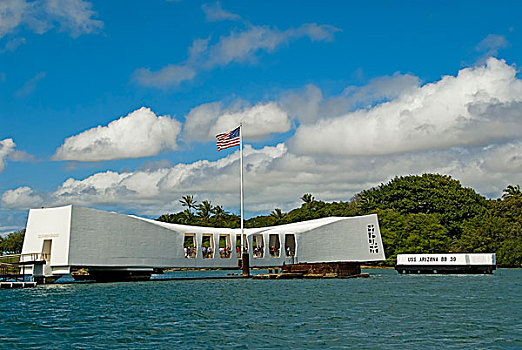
116 104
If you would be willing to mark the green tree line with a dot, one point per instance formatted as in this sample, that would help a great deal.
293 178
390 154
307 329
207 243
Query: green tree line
12 243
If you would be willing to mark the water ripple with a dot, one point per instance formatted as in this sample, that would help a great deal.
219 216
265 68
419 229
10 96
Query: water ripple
386 310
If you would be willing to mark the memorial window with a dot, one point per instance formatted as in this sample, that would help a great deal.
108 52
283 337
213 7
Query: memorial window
275 245
189 246
225 248
207 246
290 244
258 246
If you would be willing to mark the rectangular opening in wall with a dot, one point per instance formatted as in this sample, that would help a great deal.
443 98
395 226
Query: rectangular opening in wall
275 245
224 246
290 244
258 246
207 246
46 250
189 246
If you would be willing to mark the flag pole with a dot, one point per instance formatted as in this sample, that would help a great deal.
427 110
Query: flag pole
244 251
241 173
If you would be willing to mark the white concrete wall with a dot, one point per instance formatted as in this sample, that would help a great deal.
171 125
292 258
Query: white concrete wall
345 239
101 238
48 224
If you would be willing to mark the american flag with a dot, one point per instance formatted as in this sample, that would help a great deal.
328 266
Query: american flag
228 139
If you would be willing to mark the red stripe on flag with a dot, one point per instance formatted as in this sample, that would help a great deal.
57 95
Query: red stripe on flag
224 140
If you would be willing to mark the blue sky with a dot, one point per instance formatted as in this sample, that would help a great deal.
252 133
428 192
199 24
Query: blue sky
115 104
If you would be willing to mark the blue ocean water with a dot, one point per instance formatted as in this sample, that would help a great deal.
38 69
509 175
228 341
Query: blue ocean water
387 310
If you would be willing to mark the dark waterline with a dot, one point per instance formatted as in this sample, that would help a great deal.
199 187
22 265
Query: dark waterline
384 311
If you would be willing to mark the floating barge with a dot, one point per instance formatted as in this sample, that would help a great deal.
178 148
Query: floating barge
317 270
451 263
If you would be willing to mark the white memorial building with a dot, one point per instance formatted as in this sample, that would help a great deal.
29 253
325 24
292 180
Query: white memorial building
66 239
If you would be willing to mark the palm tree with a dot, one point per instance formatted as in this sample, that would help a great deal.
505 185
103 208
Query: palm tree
188 201
307 198
205 210
219 214
511 191
188 217
278 215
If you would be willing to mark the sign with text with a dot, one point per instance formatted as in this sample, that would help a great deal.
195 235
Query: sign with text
446 259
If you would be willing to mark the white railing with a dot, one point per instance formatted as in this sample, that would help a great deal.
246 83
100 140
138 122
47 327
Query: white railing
30 257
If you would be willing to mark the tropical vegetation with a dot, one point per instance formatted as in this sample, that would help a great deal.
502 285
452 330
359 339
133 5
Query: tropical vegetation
12 243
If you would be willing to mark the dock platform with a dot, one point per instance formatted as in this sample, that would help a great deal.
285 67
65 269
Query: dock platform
15 285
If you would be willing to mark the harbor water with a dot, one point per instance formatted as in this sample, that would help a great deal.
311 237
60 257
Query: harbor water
386 310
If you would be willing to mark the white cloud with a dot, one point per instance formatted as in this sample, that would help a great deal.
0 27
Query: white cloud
7 147
381 89
21 198
214 13
11 15
165 77
204 122
478 106
239 46
139 134
309 105
314 31
8 151
21 156
13 44
491 44
73 16
242 46
156 191
274 177
29 86
217 180
304 105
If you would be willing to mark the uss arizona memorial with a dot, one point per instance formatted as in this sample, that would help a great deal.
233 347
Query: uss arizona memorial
113 246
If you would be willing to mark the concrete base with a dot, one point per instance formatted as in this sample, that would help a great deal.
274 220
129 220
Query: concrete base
45 279
319 270
108 275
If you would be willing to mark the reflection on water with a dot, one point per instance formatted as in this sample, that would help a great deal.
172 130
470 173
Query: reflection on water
384 311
